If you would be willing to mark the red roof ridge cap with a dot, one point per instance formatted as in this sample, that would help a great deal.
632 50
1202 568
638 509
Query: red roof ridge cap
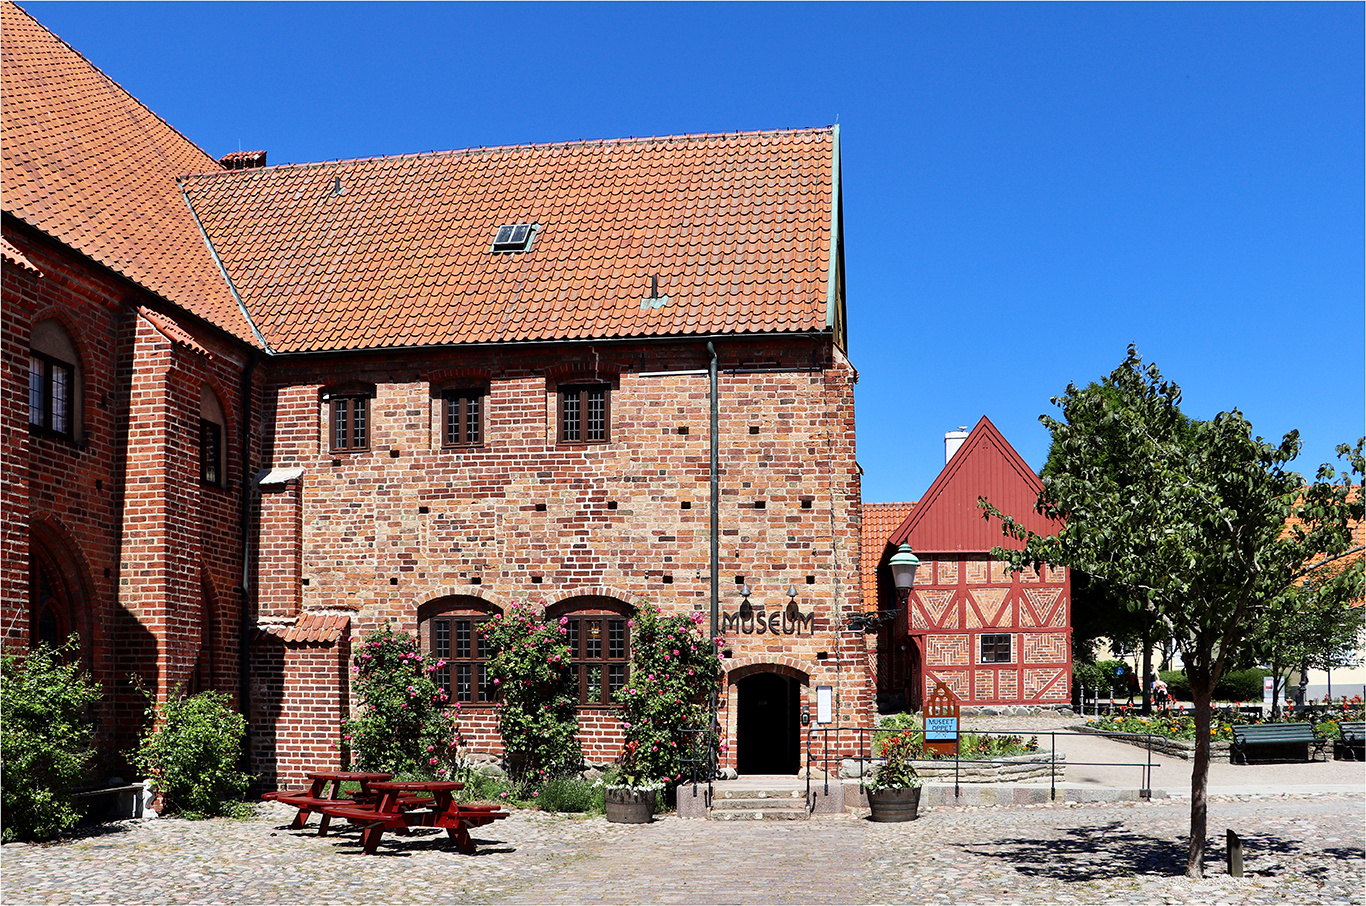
529 146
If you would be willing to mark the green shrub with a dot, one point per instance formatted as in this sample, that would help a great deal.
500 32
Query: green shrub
404 725
1233 686
191 752
45 734
481 787
568 794
538 715
674 671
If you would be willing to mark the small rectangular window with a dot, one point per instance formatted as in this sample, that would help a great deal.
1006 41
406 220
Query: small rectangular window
50 394
599 647
996 648
458 642
463 418
584 414
210 453
350 430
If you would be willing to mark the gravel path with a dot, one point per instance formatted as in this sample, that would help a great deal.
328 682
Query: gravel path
1299 849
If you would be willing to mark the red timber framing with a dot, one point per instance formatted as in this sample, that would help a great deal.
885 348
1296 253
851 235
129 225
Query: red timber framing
990 636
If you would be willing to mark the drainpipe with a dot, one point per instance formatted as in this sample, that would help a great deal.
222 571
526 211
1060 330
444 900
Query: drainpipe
715 501
243 626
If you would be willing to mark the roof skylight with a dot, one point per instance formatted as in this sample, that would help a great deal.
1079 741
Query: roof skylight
514 237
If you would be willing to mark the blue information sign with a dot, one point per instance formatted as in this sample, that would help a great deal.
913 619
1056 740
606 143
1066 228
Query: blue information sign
941 728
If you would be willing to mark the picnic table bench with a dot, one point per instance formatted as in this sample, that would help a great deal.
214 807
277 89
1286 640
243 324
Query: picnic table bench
312 798
1276 742
1353 742
401 806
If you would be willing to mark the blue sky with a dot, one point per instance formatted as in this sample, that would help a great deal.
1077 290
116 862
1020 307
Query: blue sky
1029 188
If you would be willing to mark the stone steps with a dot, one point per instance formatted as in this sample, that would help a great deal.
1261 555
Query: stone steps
758 803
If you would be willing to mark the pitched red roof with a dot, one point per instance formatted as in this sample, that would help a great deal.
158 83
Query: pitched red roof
397 251
947 518
879 521
86 163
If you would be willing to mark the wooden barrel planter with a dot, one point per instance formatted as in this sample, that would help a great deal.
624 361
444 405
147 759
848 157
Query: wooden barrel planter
891 804
630 806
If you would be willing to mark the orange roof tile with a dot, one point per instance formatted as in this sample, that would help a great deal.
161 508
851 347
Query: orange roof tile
879 521
16 257
396 251
172 331
309 628
86 163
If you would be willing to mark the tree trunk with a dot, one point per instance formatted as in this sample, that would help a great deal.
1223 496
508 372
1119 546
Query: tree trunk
1147 667
1275 689
1202 691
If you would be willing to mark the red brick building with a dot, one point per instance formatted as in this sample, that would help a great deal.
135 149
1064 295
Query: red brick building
251 412
991 636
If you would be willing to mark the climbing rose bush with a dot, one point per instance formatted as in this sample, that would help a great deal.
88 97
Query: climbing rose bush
538 706
674 671
404 724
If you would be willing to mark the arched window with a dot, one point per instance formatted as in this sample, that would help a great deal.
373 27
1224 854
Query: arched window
448 629
599 646
54 381
213 457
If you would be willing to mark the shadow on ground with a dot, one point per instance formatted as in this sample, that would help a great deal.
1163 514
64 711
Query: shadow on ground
1103 851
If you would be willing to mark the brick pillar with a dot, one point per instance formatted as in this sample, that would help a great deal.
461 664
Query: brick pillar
280 558
160 537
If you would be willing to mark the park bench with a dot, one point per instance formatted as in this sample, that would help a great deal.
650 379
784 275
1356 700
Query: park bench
1352 746
1276 742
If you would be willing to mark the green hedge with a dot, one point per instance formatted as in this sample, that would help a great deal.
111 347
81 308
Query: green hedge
1234 686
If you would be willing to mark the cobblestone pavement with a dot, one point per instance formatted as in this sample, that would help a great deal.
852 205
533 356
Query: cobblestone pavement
1299 849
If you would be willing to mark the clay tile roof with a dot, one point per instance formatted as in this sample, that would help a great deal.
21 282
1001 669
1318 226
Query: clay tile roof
172 331
397 251
310 629
16 257
879 521
86 163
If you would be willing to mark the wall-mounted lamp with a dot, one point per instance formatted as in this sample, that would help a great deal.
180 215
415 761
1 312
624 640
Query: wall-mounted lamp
903 564
746 608
793 613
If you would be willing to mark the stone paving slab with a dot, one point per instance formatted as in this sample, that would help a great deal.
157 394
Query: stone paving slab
1306 849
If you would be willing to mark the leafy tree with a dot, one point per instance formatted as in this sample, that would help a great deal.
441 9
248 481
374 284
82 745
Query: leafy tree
1189 518
1315 624
45 732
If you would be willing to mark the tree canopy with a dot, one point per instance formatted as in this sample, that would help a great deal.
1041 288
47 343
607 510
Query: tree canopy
1186 519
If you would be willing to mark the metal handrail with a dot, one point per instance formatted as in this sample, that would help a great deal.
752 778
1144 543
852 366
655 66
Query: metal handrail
864 754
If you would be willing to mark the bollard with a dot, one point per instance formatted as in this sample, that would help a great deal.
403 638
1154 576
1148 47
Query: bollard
1235 855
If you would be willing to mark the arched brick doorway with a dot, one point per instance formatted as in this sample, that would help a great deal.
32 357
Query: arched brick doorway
58 603
768 731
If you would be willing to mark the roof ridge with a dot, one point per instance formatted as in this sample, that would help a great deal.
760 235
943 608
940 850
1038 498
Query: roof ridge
112 81
529 146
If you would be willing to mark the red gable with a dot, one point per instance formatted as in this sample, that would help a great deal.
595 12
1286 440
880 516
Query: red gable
947 518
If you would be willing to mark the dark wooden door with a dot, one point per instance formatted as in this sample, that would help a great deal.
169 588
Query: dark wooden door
767 727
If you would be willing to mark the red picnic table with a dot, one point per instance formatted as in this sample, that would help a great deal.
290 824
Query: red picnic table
402 805
312 799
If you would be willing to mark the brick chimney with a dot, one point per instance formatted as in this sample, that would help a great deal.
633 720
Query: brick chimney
243 160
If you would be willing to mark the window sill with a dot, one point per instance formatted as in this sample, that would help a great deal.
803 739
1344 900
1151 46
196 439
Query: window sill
48 434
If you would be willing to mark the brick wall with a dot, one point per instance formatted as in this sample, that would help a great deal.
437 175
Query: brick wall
299 697
521 517
139 546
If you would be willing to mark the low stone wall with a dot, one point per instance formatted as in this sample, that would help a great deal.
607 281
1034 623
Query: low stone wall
1178 748
1004 769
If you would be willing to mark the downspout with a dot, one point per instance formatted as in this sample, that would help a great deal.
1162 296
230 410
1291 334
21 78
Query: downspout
715 501
244 624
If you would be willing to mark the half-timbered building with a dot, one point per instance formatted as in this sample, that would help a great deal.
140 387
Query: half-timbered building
993 637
